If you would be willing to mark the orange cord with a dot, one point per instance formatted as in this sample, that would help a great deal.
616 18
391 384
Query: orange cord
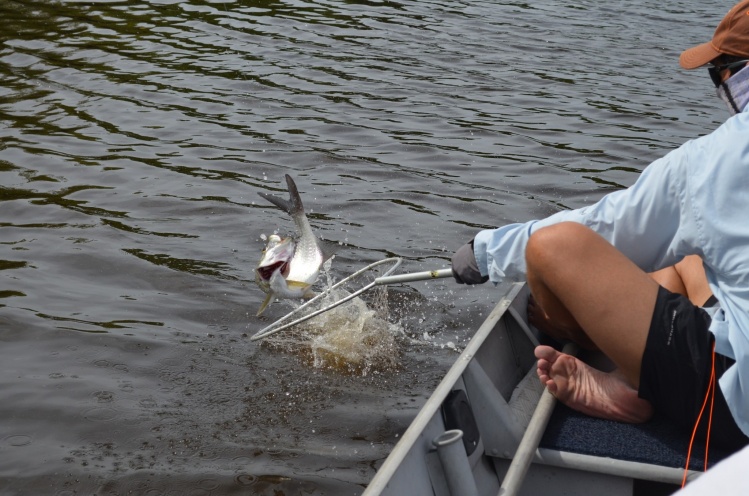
711 394
712 403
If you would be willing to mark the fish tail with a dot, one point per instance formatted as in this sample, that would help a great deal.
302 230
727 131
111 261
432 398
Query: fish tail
293 205
295 201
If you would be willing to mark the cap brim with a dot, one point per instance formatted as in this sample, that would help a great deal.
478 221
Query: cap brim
698 56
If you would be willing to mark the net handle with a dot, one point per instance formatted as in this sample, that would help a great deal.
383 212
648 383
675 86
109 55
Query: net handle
415 276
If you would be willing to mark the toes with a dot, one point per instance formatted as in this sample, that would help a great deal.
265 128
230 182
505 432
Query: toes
542 366
552 387
542 371
545 352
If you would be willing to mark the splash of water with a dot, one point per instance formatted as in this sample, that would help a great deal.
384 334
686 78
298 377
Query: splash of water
355 337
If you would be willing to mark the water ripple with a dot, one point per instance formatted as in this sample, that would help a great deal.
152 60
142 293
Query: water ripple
134 139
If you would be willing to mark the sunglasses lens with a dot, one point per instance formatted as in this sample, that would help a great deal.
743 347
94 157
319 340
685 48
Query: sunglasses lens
716 70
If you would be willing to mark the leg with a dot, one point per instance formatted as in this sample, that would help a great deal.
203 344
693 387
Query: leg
670 279
568 329
575 274
686 278
692 274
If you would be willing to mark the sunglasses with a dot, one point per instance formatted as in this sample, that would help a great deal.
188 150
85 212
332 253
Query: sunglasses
734 67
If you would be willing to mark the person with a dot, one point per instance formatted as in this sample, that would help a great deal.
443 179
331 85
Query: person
590 268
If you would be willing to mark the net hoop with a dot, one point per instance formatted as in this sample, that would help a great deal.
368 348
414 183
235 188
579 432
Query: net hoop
279 325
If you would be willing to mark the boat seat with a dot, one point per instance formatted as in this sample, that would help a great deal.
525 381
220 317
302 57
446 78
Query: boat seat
656 442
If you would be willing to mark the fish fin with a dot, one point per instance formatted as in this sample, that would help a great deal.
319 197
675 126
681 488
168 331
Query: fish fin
265 304
297 284
279 202
328 248
291 206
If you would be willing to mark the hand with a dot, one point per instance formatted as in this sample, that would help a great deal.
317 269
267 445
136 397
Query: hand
465 268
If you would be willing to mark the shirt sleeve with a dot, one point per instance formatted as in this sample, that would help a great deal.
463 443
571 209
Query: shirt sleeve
648 222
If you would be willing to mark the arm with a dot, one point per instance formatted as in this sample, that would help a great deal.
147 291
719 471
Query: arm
647 222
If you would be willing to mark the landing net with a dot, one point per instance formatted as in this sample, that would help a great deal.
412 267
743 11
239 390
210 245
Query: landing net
306 311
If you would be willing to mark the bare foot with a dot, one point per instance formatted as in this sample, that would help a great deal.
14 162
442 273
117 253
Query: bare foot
590 391
539 319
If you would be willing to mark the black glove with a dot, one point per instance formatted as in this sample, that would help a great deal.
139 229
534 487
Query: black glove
465 268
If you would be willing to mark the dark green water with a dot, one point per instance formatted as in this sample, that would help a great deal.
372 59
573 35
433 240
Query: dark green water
135 135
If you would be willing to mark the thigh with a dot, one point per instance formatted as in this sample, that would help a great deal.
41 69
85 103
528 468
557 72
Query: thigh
607 294
676 369
692 273
677 358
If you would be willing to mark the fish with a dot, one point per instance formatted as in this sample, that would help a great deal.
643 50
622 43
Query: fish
290 266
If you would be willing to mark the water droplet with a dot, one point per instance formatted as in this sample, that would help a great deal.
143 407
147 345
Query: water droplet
104 396
208 484
245 479
100 414
18 440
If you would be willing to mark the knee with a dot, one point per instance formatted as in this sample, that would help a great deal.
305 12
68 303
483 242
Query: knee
553 244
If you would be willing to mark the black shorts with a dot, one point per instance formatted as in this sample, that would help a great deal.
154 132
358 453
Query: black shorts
676 368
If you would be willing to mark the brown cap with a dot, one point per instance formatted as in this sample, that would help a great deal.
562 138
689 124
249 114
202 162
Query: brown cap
730 38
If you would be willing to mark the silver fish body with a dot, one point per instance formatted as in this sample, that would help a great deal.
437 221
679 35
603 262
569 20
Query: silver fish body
289 267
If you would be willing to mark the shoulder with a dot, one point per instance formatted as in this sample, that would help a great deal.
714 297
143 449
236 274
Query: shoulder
725 146
736 126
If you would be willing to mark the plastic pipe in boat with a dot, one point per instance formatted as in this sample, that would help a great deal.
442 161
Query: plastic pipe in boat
455 466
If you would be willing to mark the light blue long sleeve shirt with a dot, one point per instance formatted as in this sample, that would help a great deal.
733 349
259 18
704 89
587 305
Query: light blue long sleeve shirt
695 200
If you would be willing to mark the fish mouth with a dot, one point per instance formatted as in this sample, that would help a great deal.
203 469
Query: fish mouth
267 271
